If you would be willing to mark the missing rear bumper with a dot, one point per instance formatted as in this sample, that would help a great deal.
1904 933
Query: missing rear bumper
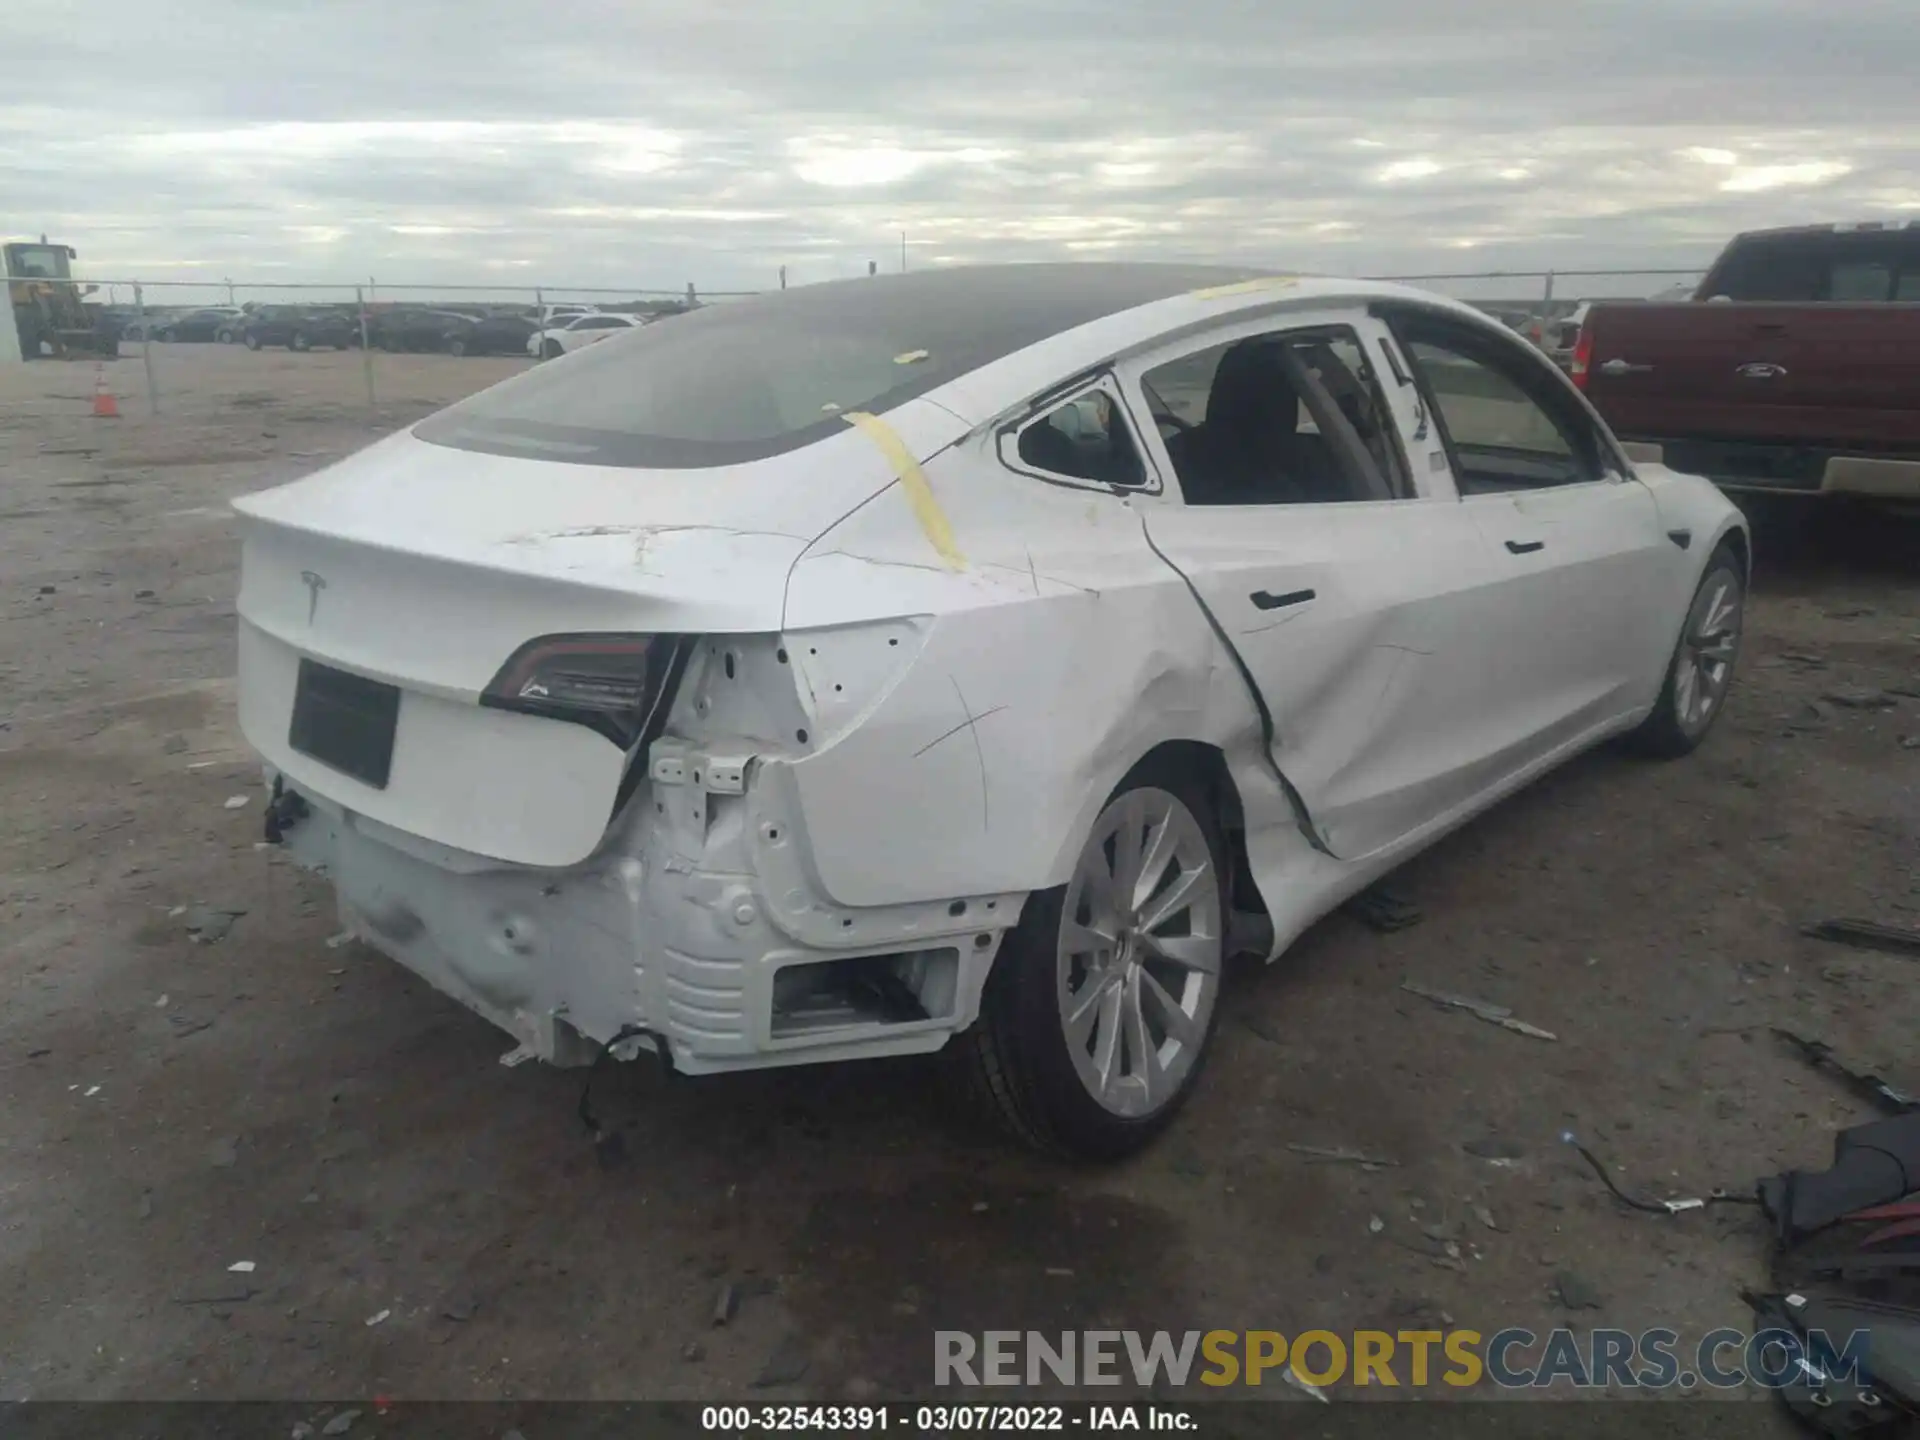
910 988
564 960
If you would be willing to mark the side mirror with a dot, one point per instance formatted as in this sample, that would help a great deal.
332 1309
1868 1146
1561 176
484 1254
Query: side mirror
72 254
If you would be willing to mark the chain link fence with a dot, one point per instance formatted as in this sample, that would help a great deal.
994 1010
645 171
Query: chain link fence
166 324
1537 302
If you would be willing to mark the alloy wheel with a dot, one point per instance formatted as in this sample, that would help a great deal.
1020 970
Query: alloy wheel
1703 667
1140 950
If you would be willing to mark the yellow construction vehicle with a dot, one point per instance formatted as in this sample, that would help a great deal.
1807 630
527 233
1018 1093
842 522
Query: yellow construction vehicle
48 311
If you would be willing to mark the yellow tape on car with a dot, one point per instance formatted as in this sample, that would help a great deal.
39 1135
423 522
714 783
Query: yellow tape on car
926 509
1246 287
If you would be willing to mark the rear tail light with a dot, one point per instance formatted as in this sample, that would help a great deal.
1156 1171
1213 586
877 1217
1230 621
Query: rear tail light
616 685
1582 356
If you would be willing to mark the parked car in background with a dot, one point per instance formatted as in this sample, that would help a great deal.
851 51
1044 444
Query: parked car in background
201 325
744 710
416 328
300 328
503 334
135 325
1795 369
574 334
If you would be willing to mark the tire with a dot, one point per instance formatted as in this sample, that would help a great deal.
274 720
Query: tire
252 341
1023 1066
1701 669
551 350
456 346
165 335
227 337
299 341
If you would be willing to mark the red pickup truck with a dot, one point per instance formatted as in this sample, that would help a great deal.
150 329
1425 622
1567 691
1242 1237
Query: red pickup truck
1795 367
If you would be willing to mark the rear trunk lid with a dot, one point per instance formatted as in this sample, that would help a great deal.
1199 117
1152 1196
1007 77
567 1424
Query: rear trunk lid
424 568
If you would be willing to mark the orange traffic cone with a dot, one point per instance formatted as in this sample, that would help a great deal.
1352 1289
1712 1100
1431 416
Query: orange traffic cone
105 407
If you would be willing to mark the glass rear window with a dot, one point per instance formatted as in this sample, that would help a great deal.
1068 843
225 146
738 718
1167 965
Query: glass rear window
742 380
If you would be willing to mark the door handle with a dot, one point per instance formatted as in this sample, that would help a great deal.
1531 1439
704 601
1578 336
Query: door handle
1624 367
1760 370
1525 547
1265 600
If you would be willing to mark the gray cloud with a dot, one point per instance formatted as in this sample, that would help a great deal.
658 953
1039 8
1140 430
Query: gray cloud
649 143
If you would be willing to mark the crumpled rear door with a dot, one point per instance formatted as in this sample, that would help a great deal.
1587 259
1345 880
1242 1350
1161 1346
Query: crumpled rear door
1370 627
1369 631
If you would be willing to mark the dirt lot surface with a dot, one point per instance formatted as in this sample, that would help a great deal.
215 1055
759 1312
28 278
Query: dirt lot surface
423 1222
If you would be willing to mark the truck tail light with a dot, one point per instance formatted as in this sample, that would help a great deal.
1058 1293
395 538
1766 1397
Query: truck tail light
615 685
1582 356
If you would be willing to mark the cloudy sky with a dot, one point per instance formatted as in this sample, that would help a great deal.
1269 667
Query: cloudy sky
653 142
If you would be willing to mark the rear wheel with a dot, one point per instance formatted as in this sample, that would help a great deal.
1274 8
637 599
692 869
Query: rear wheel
253 341
551 350
299 341
1702 666
456 346
1096 1017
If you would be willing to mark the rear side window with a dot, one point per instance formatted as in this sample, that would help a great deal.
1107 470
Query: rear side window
1859 281
1769 270
1084 439
1846 267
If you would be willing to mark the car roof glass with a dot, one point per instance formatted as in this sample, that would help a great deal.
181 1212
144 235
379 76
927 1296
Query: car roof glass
742 380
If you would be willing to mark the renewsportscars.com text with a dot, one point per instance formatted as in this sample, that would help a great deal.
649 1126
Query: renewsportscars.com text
1510 1359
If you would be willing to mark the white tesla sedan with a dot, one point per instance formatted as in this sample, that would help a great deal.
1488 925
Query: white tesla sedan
568 333
967 659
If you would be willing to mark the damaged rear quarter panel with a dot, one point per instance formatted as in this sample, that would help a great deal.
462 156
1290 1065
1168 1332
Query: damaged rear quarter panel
1059 652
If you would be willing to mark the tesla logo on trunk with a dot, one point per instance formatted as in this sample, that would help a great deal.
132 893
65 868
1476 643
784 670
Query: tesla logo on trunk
315 584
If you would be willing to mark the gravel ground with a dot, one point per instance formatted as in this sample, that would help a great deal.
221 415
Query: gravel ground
173 1108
